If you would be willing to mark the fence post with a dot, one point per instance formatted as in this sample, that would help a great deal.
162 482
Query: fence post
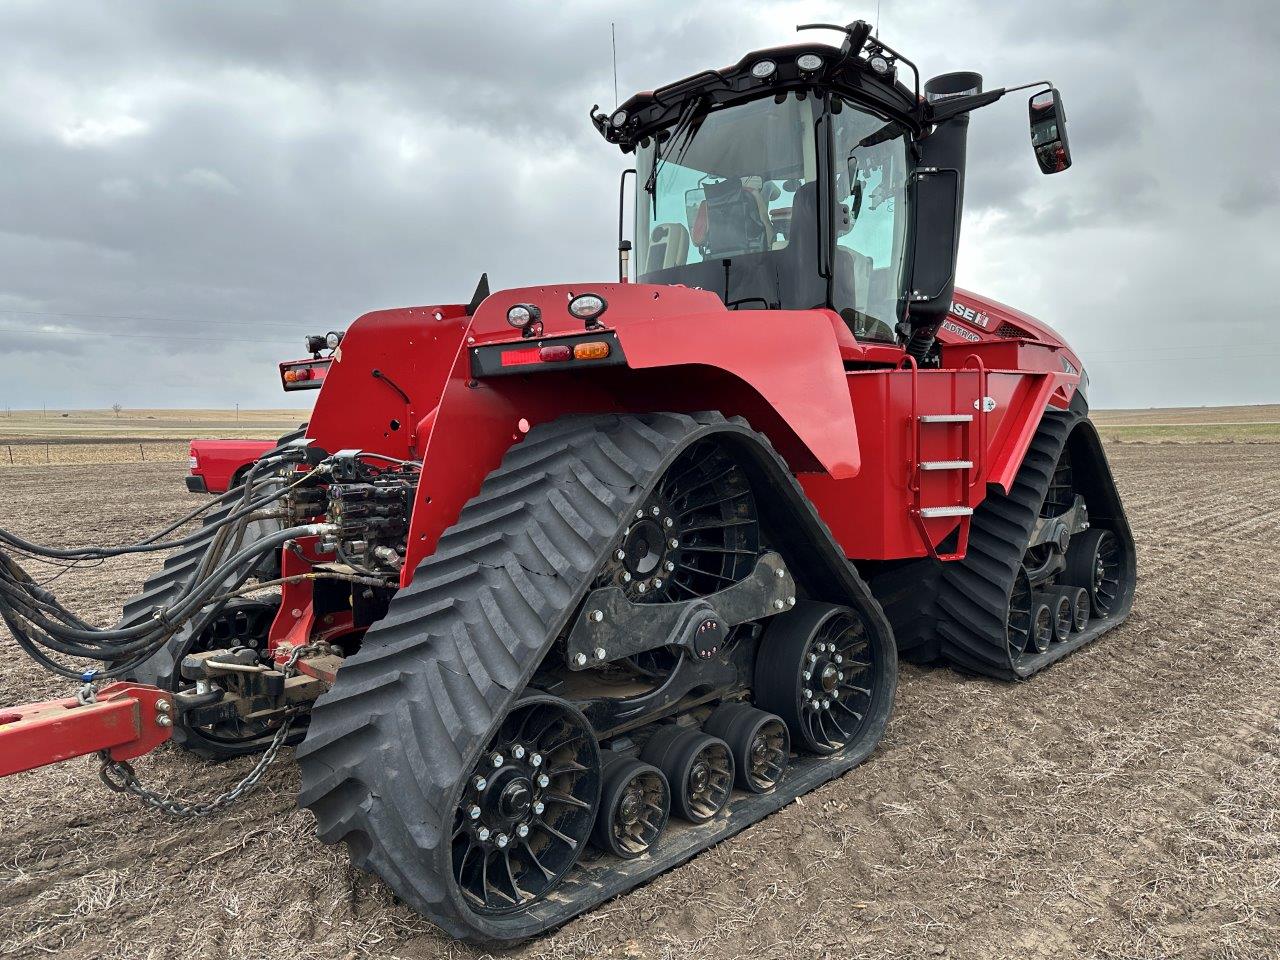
143 452
46 453
10 454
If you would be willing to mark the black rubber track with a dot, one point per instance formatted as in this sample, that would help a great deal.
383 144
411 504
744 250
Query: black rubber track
390 744
973 594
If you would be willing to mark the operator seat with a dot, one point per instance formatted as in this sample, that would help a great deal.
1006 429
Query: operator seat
732 220
802 286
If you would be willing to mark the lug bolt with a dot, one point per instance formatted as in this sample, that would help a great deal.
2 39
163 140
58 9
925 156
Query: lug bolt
626 577
162 720
780 573
481 783
621 555
657 584
673 543
791 601
522 830
580 659
641 587
497 759
501 840
837 659
813 658
543 780
601 653
668 522
163 706
536 759
835 694
474 813
518 752
779 605
483 833
807 676
840 676
639 514
655 511
597 616
808 694
668 566
826 704
538 807
821 648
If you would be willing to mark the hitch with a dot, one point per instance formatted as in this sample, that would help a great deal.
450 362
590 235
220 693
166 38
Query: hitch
127 720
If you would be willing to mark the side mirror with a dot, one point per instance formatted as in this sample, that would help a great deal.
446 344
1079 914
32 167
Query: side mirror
1049 131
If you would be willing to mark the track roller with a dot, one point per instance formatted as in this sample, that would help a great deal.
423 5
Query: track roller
760 743
1081 606
1042 623
699 768
634 808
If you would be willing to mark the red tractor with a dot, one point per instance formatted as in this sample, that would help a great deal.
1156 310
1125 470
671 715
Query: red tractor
577 580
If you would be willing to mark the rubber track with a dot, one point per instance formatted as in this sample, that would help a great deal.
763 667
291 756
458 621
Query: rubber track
390 744
973 596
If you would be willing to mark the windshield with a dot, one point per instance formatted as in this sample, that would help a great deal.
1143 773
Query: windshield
732 207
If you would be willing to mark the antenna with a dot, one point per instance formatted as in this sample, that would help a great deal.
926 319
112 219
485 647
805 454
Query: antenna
877 18
613 33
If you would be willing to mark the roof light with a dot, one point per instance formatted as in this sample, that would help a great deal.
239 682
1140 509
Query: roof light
619 118
523 314
332 339
809 62
588 306
764 69
879 64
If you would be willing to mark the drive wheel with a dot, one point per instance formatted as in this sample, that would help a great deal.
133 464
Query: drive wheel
1094 562
527 808
817 670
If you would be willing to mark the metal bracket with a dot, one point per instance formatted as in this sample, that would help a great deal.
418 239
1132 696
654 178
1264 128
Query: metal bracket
1060 529
611 626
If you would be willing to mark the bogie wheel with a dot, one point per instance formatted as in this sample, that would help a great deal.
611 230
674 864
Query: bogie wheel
1094 561
527 808
634 808
699 768
1041 625
1081 606
817 670
1018 620
760 743
1063 615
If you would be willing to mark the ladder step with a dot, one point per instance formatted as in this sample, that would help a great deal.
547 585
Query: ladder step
928 512
946 418
946 464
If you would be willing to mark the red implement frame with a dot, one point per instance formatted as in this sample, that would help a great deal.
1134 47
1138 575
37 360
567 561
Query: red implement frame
128 720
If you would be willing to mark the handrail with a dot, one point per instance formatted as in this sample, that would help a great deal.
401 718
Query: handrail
981 418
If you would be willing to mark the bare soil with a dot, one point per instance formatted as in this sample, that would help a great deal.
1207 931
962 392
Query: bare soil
1124 804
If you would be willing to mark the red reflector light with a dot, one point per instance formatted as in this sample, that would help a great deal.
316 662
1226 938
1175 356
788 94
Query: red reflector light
513 358
555 354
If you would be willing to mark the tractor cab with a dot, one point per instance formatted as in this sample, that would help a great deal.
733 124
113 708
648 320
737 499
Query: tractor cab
809 176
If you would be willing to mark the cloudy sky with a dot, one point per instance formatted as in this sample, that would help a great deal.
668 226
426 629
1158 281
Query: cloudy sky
186 189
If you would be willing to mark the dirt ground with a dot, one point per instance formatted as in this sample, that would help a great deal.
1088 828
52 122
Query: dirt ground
1122 805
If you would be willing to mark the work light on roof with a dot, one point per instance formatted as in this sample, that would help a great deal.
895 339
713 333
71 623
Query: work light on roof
764 69
521 315
809 62
619 118
879 64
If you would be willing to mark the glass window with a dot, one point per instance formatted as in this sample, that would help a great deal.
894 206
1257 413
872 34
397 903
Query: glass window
870 160
732 206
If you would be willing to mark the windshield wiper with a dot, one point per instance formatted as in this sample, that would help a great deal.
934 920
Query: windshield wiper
683 126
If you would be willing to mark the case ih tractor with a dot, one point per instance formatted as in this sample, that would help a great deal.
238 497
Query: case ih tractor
577 580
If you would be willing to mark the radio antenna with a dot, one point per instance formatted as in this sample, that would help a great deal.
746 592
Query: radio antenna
613 33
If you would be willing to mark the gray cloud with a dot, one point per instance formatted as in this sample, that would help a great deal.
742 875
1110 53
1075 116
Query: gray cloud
196 186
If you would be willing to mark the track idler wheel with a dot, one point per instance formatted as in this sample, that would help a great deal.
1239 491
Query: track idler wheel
699 768
528 806
816 670
1094 561
634 808
760 743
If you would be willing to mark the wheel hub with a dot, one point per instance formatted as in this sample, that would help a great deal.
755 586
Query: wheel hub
631 806
644 548
516 798
699 778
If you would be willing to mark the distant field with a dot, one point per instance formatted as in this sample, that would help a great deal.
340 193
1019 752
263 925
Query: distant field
31 437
